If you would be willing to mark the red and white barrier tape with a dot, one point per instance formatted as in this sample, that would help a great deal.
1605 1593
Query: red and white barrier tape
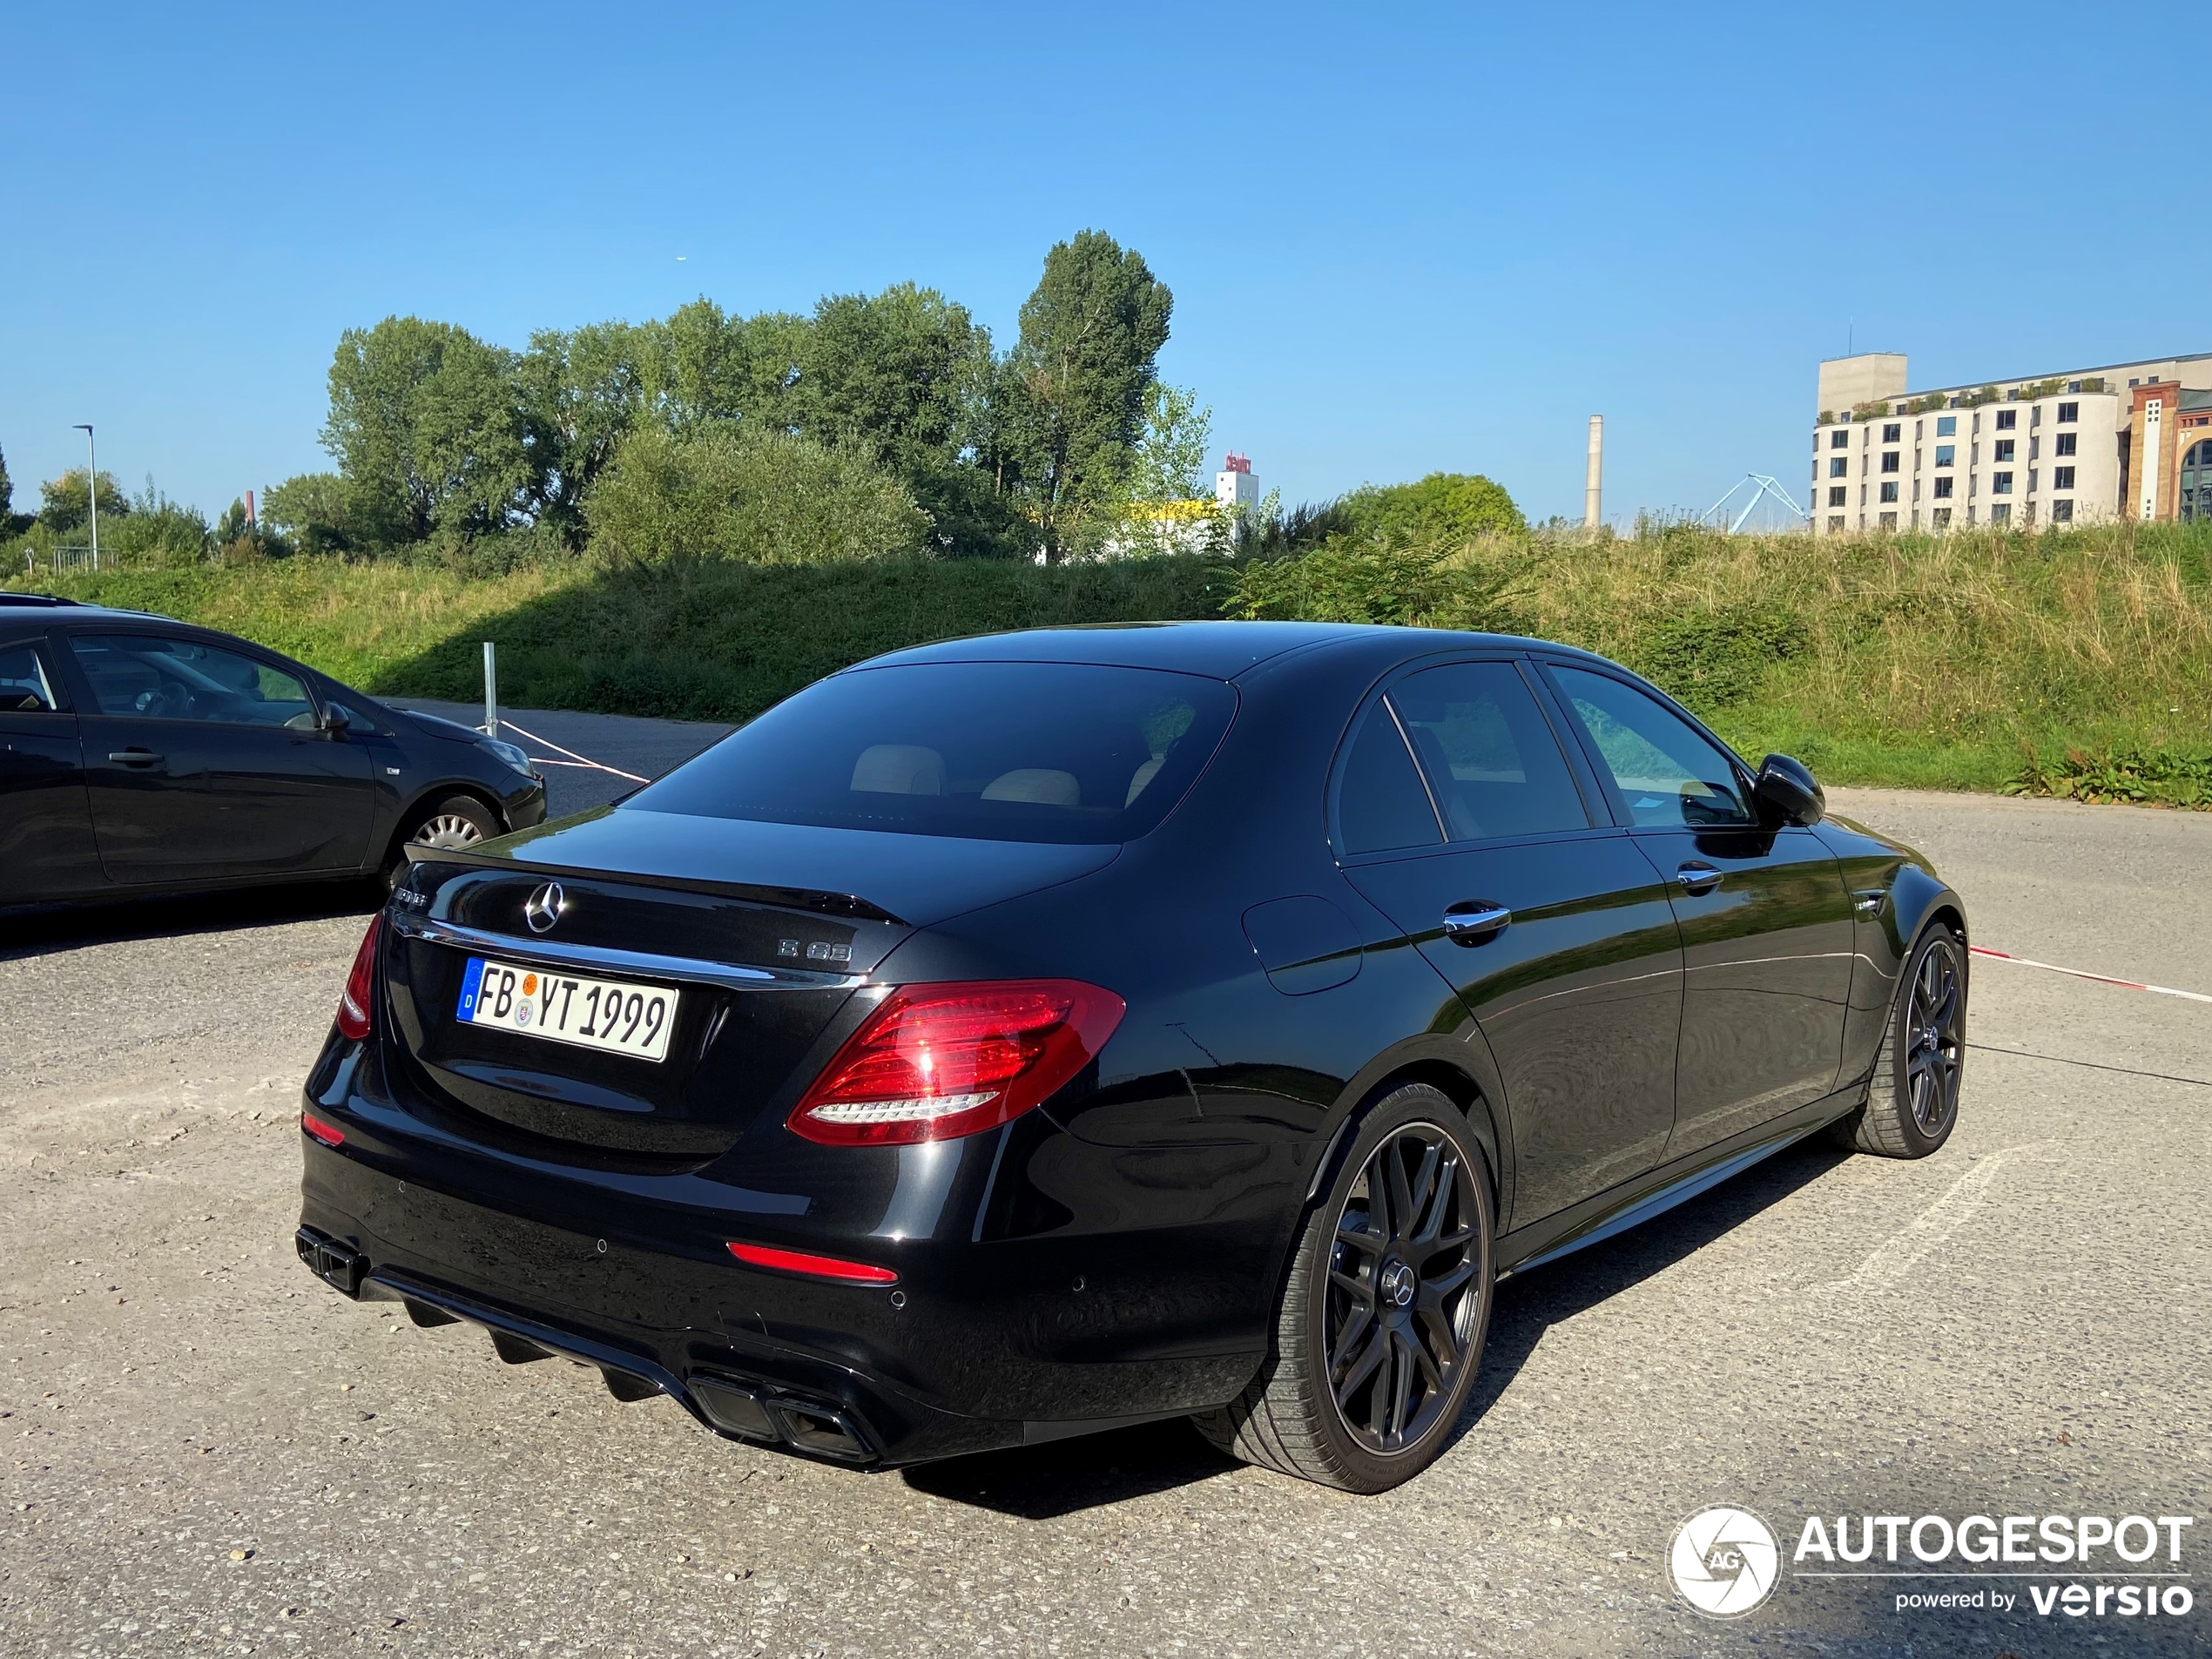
2078 973
574 758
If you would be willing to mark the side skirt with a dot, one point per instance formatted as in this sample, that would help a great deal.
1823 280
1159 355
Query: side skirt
1658 1190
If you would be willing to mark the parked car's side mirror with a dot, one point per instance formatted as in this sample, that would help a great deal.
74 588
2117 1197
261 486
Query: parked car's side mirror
1788 792
337 720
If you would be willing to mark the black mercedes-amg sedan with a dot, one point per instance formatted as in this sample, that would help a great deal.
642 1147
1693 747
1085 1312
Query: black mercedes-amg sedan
140 755
1027 1035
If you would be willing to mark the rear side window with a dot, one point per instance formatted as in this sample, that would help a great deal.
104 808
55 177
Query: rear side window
24 688
1381 807
163 678
1488 752
999 751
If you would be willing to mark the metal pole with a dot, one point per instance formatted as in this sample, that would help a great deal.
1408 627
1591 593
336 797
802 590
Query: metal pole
93 488
491 691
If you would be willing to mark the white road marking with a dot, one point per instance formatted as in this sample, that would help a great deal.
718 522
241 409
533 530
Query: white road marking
1904 1251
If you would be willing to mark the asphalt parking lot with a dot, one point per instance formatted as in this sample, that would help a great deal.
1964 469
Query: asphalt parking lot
208 1451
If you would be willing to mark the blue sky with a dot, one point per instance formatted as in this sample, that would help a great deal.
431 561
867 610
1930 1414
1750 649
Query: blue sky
1436 238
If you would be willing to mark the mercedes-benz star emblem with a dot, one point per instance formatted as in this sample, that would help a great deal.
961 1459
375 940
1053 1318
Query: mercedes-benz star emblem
1399 1284
544 907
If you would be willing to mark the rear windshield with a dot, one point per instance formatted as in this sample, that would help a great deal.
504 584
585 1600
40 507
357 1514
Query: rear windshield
999 751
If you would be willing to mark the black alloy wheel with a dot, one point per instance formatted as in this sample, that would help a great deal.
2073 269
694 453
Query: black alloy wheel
1913 1094
1402 1289
1379 1336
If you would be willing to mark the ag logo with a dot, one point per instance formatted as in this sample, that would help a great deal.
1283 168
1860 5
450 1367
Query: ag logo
1724 1562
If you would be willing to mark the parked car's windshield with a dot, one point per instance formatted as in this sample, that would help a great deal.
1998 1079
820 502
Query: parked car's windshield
1002 751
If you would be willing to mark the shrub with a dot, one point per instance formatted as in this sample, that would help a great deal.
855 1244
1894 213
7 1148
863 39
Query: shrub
1446 508
722 490
1351 581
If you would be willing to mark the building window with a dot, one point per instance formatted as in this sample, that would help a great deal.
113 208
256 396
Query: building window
2061 477
1839 497
1943 487
1916 490
1974 454
1946 426
2007 419
1916 425
2069 413
1889 489
2003 446
1839 467
2000 483
1834 524
2062 512
2001 512
2034 447
1945 453
1888 521
1890 459
1893 433
2036 419
1939 518
1862 501
2031 483
2195 502
2063 444
1840 440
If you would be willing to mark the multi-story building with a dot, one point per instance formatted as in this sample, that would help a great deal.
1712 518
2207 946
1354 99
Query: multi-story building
2100 443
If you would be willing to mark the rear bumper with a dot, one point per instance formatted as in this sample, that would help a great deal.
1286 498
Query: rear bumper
978 1347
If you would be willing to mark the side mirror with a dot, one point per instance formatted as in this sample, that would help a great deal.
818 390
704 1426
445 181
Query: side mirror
337 720
1788 792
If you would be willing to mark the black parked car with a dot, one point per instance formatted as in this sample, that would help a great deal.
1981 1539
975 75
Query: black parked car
140 755
1028 1036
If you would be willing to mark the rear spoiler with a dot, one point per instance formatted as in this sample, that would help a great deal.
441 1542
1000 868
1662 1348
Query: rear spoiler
819 901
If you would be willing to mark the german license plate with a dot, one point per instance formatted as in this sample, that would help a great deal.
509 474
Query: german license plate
599 1014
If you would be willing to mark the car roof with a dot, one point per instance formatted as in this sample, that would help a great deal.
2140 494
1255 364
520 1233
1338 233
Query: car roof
1218 650
80 609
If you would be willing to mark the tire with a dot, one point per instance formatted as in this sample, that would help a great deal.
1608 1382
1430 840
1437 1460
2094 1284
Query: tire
1403 1296
1911 1101
458 820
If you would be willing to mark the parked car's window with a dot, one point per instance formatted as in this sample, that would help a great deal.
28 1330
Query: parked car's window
1668 773
23 687
1490 758
1381 804
1002 751
182 680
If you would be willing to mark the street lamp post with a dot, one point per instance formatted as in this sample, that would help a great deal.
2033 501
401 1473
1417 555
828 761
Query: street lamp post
93 488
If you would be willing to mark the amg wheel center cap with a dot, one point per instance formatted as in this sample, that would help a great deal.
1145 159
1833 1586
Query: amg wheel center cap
1398 1284
544 907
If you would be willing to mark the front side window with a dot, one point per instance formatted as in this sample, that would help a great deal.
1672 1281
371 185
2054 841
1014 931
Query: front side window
163 678
996 751
1670 774
1488 753
1946 426
24 688
1381 807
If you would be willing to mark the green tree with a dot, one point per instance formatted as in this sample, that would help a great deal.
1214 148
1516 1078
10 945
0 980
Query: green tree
427 428
581 391
7 490
1171 453
1443 509
66 502
890 370
728 489
1091 334
317 511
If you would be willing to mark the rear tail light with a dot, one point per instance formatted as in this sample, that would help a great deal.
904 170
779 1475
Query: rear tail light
360 994
800 1261
328 1134
937 1061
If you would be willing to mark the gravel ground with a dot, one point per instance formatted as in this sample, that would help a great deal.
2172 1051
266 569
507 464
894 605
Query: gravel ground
210 1452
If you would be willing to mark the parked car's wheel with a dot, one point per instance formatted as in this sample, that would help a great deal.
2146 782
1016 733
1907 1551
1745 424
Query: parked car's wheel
458 820
1912 1098
1380 1328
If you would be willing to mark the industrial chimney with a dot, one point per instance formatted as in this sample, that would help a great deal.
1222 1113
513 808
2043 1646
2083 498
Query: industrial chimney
1592 480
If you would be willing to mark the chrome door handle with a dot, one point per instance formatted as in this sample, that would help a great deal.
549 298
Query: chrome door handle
1697 879
1473 922
134 757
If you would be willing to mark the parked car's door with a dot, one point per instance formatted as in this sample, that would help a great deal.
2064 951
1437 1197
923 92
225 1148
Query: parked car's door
1766 920
1578 986
46 846
206 763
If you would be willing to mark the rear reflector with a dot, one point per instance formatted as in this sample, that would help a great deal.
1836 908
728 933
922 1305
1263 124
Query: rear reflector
797 1261
937 1061
360 994
328 1134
